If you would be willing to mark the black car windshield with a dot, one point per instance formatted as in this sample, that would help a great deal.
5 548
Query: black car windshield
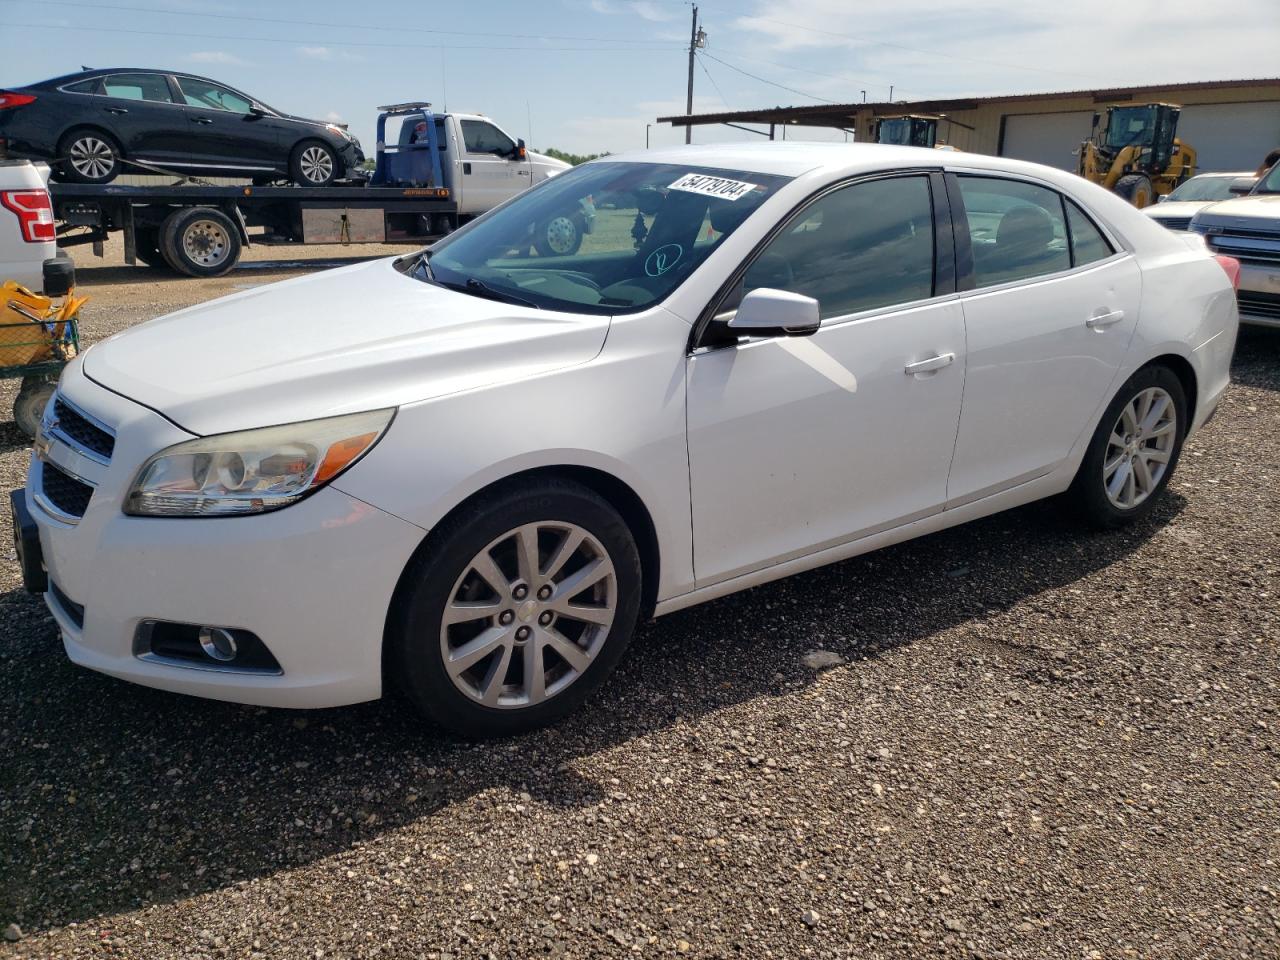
602 238
1204 188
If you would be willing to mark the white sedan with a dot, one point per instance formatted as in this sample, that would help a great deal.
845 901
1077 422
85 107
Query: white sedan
471 471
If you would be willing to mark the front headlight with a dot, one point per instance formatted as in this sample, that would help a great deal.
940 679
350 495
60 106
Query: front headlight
252 471
334 128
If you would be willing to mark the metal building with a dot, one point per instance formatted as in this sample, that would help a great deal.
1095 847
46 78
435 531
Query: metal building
1232 123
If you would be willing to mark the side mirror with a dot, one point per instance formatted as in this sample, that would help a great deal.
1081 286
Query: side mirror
520 151
776 313
1242 185
257 110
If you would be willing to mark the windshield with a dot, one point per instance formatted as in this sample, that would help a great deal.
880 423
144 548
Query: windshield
1204 188
1271 182
906 132
602 238
1130 125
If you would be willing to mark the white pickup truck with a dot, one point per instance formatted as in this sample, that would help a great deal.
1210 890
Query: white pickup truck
26 222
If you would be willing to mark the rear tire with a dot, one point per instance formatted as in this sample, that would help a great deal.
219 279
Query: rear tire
200 242
146 247
1134 450
443 604
1137 189
88 155
559 237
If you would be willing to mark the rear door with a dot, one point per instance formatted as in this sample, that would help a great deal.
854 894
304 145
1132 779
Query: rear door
140 109
491 171
225 132
1048 320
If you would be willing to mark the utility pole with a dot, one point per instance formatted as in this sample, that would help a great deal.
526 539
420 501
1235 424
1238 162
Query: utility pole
697 39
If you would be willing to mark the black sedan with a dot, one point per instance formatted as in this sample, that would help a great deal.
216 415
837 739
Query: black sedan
93 126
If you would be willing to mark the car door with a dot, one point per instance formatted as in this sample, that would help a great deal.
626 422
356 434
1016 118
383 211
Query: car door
140 110
801 443
226 131
1051 312
491 169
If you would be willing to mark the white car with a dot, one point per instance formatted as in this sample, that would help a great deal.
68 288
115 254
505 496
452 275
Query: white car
27 230
1177 208
1248 229
471 471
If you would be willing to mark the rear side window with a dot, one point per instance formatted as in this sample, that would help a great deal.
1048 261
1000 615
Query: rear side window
1017 230
1088 245
83 86
138 86
860 247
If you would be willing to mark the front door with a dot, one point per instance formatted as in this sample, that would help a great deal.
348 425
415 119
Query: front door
226 132
1050 317
139 108
491 170
801 443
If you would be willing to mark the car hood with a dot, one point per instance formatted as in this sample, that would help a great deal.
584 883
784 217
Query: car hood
550 163
357 338
1176 208
1243 212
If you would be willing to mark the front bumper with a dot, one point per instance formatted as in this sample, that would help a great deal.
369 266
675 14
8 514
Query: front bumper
313 581
1259 294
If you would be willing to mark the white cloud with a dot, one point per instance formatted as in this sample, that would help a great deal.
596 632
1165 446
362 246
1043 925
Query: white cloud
651 11
333 116
645 9
327 53
215 56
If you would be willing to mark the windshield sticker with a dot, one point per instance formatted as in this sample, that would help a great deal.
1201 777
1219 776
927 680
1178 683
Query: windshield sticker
663 259
713 186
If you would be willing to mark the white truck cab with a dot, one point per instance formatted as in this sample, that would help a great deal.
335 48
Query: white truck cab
489 165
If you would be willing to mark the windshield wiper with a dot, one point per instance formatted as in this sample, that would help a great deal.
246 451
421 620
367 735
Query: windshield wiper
479 288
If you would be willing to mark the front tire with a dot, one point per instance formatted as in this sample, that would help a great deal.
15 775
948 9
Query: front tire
33 397
1137 189
518 608
200 242
88 155
560 236
314 163
1134 450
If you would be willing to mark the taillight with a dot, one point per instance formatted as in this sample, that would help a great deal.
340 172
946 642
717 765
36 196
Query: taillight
34 212
1232 266
8 99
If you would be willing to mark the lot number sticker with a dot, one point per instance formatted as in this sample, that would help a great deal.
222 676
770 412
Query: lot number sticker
712 186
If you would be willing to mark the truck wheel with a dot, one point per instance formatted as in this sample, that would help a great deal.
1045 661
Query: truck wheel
29 405
313 164
1137 189
146 246
87 155
200 242
559 237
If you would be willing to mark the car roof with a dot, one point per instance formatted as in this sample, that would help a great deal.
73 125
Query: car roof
108 71
1223 176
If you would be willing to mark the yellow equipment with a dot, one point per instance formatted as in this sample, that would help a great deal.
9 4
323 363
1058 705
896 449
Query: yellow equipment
911 130
39 335
1136 153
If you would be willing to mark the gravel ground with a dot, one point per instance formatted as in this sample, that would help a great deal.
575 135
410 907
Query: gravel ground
1022 741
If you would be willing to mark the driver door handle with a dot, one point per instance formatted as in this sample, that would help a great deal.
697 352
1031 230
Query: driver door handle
1102 319
928 366
117 110
201 120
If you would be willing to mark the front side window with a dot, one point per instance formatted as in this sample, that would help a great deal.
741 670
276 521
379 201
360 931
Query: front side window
481 137
860 247
211 96
138 86
1017 230
1130 125
638 230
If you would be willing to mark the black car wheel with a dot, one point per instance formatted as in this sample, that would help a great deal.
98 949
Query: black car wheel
88 155
314 164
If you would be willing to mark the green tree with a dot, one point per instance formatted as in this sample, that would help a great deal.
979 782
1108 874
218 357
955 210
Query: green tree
572 159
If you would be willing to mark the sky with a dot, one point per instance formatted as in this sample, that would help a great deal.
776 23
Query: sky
589 76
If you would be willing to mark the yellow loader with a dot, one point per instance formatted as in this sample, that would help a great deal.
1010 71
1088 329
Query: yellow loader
1135 152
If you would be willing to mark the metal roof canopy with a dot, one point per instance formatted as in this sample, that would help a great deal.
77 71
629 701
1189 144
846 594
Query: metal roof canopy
843 115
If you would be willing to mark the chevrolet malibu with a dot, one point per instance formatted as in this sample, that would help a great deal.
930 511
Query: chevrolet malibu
472 470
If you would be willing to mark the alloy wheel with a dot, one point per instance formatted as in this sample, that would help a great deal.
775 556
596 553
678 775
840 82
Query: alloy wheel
316 164
1139 448
206 243
92 158
528 615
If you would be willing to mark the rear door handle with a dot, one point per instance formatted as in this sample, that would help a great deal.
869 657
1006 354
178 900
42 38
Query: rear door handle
117 110
201 120
928 366
1103 319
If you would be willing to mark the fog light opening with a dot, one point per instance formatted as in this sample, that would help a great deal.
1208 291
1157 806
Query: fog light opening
218 644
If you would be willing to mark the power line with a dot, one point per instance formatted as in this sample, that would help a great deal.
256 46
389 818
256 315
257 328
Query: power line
714 84
771 83
342 26
738 55
325 43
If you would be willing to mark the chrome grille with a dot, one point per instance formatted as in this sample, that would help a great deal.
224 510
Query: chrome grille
80 431
1247 245
1173 223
